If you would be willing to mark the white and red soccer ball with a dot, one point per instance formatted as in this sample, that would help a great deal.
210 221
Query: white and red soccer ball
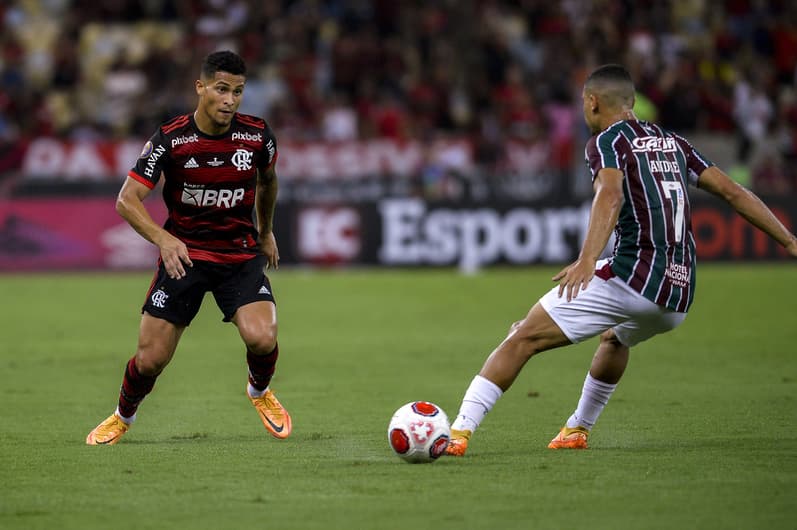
419 432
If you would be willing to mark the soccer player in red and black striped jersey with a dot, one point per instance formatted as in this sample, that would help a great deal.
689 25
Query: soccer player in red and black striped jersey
220 189
640 175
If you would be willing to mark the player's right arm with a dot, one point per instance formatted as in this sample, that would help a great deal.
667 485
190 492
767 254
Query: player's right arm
130 205
602 219
749 206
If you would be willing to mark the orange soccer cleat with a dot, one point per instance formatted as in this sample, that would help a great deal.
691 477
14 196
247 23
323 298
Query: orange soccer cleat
108 432
273 415
458 443
575 438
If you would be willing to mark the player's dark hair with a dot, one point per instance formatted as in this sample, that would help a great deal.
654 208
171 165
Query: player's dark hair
223 61
612 81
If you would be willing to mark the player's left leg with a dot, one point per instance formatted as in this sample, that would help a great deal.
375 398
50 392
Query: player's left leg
244 296
257 325
534 334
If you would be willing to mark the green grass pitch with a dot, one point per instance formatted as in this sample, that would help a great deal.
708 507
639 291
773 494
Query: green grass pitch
701 433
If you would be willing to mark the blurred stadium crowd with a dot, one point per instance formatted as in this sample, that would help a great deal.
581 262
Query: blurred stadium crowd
331 70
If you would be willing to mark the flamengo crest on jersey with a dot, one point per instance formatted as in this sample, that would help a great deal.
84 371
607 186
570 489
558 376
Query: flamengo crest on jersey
654 249
209 183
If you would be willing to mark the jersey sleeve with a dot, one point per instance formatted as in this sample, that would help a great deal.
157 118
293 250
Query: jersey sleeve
696 163
270 153
603 151
151 161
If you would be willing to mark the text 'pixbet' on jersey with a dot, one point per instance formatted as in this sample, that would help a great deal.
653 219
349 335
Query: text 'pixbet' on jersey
243 135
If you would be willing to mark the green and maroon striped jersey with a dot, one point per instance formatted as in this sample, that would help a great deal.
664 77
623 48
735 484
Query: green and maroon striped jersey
654 249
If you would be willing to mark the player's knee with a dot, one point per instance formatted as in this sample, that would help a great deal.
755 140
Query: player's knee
261 341
535 334
525 340
149 363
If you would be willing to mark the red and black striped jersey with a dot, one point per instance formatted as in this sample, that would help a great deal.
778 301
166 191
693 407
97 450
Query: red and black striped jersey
209 183
654 249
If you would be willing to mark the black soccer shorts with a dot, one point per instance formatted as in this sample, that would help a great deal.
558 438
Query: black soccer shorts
232 285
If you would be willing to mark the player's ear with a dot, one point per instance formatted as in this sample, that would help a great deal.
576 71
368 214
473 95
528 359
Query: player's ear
199 86
593 102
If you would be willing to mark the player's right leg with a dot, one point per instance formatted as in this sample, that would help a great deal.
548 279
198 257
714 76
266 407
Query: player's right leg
534 334
645 320
170 306
157 342
608 365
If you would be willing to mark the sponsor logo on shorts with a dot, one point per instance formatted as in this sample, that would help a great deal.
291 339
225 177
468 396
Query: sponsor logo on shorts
264 290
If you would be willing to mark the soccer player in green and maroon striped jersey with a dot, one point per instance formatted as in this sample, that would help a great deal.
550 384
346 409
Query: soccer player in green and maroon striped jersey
640 175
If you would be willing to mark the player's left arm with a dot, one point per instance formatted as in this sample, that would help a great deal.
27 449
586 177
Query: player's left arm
749 206
265 204
602 220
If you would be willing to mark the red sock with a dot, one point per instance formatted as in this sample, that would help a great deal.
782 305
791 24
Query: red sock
134 388
261 367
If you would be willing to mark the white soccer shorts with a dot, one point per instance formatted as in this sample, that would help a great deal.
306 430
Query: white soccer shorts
608 304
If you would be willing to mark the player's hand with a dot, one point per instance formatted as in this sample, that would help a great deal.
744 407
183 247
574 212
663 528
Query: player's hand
575 277
174 255
268 244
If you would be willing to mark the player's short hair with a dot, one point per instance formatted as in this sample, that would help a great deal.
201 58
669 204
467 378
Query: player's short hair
223 61
614 83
